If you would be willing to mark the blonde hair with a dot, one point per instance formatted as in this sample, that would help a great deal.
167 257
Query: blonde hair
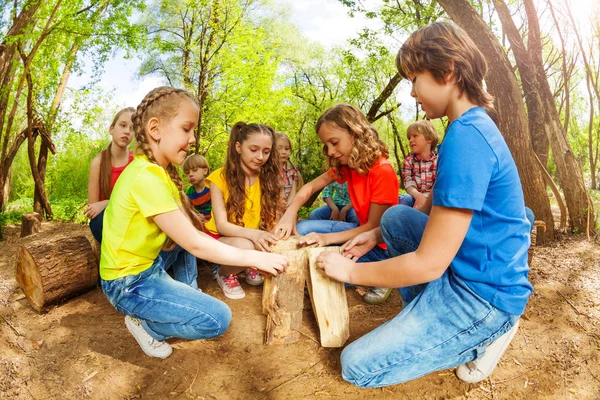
425 128
195 161
106 159
443 48
269 175
163 103
367 148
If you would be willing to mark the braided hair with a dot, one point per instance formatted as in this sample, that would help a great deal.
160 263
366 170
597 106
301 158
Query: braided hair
269 174
163 103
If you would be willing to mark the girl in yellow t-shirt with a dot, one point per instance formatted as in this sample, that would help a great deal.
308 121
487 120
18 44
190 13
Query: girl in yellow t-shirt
246 200
148 205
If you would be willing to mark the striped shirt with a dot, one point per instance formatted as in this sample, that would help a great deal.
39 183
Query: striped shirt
201 201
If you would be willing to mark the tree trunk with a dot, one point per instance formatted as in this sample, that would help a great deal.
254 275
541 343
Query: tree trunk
502 84
373 113
31 223
55 269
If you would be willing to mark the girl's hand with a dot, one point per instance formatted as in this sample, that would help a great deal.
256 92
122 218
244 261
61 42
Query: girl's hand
336 266
92 210
317 239
271 263
359 245
263 240
285 227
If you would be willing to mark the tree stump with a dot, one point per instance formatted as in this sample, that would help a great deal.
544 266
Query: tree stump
328 298
31 223
51 270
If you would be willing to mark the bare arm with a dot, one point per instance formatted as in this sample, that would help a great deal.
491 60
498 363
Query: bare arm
199 244
292 193
334 210
95 206
225 227
443 236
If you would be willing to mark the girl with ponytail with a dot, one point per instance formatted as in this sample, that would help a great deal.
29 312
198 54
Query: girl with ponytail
148 206
107 167
247 200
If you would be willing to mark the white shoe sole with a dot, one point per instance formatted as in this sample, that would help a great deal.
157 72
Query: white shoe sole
131 327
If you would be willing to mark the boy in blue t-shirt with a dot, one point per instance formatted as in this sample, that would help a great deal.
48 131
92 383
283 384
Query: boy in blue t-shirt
196 169
460 262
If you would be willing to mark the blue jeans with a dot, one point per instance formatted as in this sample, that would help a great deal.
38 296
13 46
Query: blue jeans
324 213
406 200
169 307
327 226
96 226
444 323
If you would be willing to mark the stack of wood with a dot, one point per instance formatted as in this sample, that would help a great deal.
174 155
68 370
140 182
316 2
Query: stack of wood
50 270
283 298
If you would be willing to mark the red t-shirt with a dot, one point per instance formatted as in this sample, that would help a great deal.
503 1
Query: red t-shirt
116 172
380 186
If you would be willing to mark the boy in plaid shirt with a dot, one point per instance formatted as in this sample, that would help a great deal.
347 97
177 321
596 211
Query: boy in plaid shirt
420 166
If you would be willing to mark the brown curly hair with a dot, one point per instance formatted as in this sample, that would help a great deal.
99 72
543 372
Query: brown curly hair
163 103
269 174
367 148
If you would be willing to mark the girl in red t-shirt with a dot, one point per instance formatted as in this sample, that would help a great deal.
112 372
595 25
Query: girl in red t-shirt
106 168
356 155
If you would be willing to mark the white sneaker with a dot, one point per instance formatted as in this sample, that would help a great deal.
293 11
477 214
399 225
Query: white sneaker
253 277
376 295
230 286
149 345
480 368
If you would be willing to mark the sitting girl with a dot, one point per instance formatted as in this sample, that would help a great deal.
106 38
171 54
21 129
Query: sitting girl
106 168
289 172
134 256
246 200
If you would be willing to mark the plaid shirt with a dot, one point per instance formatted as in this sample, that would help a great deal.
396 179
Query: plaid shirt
338 192
289 174
418 173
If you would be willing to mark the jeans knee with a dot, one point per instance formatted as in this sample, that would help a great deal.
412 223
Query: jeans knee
304 227
352 363
220 319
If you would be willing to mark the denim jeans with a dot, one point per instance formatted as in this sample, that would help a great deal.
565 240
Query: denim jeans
96 226
443 323
324 213
169 307
406 200
327 226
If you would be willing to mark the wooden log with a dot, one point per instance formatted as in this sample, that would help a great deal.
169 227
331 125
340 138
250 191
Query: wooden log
31 223
51 270
283 296
328 298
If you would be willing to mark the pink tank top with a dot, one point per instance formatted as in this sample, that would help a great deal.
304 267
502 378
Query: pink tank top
116 172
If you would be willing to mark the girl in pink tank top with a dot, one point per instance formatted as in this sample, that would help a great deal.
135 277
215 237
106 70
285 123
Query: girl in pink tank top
106 168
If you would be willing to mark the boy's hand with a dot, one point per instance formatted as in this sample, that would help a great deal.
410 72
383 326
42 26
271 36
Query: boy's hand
271 263
263 240
359 245
334 214
420 200
342 215
312 238
336 266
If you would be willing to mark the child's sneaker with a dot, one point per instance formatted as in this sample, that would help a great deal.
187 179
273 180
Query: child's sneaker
480 368
149 345
230 286
376 295
253 277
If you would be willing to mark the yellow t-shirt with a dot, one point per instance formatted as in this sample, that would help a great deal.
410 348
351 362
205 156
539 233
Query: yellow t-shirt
131 240
252 212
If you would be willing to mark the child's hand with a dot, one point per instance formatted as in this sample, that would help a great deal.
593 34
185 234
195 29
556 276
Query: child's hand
271 263
336 266
342 215
202 218
420 200
312 238
285 227
334 215
93 210
359 245
263 240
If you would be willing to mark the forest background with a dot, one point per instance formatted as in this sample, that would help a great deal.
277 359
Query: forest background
246 60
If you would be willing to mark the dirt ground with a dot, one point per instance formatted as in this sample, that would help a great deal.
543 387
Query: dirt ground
81 349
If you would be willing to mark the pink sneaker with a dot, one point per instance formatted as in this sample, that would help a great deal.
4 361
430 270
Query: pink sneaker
230 286
253 277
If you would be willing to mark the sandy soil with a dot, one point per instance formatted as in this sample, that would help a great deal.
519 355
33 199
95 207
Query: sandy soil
81 349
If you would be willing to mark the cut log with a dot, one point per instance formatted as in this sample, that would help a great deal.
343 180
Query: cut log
328 298
31 223
51 270
283 297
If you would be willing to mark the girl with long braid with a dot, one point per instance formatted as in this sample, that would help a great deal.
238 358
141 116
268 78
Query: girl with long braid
247 200
147 206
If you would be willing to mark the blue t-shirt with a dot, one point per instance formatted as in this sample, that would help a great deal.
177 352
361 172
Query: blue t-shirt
476 171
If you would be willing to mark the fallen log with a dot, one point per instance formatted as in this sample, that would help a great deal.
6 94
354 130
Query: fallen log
52 270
